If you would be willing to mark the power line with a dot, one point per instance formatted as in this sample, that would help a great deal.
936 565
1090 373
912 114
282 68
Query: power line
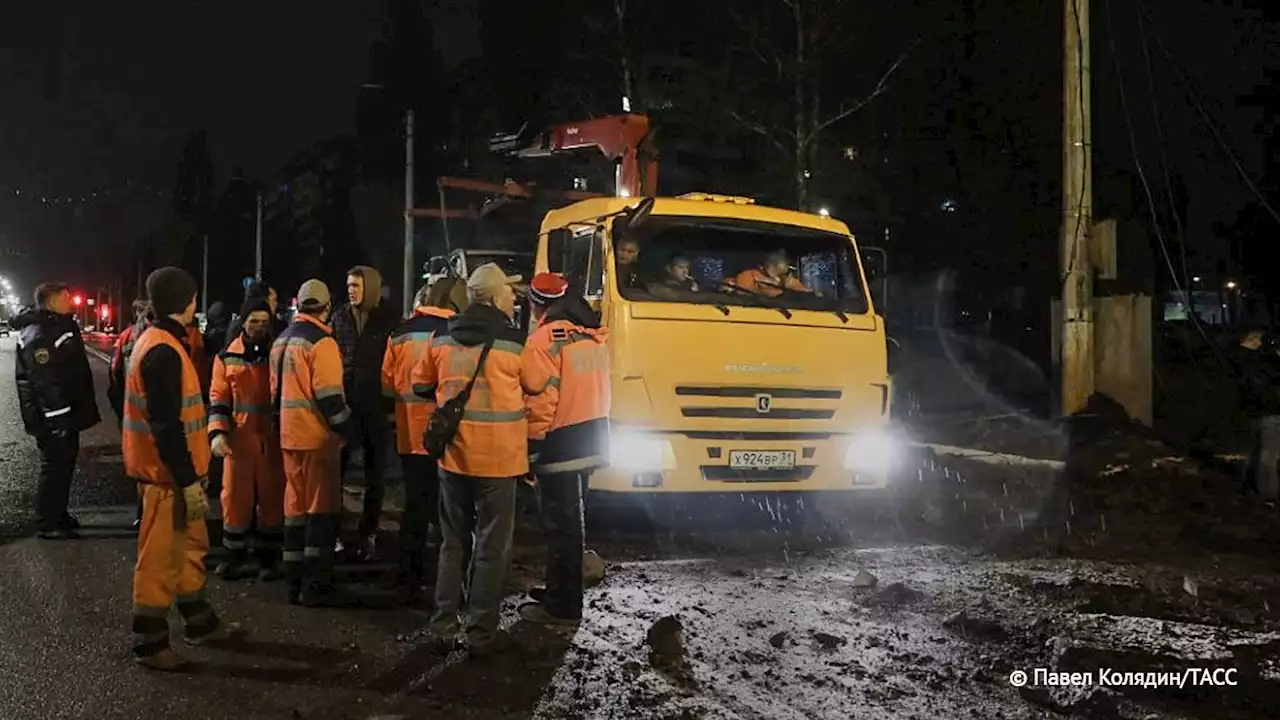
1196 101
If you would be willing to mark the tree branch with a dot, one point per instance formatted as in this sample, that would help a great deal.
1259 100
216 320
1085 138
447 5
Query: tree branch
754 43
880 87
761 130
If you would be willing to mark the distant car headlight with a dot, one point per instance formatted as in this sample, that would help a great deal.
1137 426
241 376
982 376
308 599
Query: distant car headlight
873 451
638 453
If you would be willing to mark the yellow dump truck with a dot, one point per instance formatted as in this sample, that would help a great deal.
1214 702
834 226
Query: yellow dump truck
747 355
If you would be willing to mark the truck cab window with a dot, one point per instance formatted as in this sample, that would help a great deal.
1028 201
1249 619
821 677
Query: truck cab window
579 257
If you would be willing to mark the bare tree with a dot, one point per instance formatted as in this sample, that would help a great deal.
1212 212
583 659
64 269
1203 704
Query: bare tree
791 60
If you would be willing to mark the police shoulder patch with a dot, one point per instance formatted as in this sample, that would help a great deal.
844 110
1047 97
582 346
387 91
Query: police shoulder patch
42 356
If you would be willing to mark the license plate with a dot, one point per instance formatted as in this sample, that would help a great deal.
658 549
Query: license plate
762 459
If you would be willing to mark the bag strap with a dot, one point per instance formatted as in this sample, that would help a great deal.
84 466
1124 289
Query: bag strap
466 392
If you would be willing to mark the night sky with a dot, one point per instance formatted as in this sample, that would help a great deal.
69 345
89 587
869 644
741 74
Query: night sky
92 97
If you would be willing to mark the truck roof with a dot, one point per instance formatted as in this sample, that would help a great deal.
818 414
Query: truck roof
696 205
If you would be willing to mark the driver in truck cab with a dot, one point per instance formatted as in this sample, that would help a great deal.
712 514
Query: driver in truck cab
771 278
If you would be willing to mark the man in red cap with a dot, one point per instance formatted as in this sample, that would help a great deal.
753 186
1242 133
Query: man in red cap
567 363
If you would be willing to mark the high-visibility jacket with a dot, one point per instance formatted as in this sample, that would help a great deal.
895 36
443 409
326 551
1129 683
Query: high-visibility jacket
492 439
405 348
141 456
755 280
239 393
199 359
567 370
306 366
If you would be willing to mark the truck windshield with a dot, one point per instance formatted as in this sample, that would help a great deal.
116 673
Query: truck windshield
713 261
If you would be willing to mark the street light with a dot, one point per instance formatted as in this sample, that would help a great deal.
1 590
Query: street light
1231 284
824 212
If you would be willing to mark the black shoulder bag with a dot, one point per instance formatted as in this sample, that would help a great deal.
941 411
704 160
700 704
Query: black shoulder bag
444 423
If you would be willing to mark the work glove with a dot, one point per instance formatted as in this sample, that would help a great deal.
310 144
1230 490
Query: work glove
197 501
220 446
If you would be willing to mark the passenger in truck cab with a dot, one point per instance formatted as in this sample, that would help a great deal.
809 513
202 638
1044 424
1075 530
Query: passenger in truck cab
627 259
771 278
680 275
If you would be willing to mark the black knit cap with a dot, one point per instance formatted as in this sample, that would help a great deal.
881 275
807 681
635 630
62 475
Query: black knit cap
171 290
253 305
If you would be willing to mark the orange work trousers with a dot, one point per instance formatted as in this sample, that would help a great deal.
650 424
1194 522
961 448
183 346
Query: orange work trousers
169 571
252 493
312 501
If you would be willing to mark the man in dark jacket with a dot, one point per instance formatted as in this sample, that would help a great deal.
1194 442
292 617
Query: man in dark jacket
55 390
361 328
217 323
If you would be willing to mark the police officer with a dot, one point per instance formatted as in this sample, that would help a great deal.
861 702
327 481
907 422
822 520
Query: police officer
55 390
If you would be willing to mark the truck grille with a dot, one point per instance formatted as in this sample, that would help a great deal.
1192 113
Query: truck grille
721 473
741 413
742 391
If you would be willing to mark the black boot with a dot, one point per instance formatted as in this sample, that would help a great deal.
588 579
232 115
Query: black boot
269 565
237 566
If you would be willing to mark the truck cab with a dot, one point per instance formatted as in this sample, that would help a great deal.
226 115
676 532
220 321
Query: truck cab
719 386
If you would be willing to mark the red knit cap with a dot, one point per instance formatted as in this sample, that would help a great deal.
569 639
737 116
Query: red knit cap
547 287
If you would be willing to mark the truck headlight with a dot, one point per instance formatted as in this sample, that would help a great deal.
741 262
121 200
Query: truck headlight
640 453
873 451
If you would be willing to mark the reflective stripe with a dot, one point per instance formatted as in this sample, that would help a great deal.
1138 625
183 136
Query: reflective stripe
232 361
340 417
235 530
222 418
329 391
192 401
252 409
137 401
295 404
139 426
504 345
425 390
230 544
494 416
291 556
56 413
575 465
64 337
313 552
295 521
552 382
412 398
191 427
411 338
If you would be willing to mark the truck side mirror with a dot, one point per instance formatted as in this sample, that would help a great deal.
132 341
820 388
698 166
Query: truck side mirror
875 264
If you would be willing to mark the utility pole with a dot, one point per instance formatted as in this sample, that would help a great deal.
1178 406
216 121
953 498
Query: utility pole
407 280
257 267
1077 360
204 280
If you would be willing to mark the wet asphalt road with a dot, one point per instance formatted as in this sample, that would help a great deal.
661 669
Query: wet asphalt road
771 628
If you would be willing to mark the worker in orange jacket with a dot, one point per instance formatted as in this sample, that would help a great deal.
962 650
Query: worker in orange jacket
166 452
406 346
119 366
306 386
567 366
242 431
771 278
480 467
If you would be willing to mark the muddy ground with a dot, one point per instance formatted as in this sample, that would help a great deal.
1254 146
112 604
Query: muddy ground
1128 558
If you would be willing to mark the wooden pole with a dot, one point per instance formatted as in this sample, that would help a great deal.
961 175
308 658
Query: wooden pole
1077 361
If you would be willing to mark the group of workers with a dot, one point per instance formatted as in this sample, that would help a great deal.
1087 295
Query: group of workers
282 406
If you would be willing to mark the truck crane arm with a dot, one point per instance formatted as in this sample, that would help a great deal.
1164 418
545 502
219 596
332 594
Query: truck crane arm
623 139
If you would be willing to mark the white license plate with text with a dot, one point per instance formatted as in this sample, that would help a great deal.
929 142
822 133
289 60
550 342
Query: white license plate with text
762 459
